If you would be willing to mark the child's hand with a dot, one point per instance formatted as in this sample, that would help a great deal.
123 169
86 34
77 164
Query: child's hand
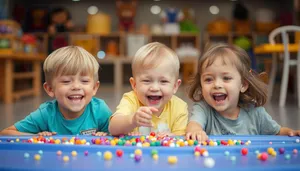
134 134
294 133
100 134
46 133
199 135
143 116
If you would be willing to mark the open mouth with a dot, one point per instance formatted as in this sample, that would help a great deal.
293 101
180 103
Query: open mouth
154 99
219 97
75 98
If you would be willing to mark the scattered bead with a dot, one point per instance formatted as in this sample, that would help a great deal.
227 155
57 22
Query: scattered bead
295 151
138 152
209 162
197 153
270 150
205 154
137 158
153 152
107 155
297 140
26 155
155 157
263 156
66 158
244 151
99 153
58 153
227 153
233 158
172 159
40 152
281 150
74 153
131 155
256 152
37 157
270 143
86 153
119 153
287 156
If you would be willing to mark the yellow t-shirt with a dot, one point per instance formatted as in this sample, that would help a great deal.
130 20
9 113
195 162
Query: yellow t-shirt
173 118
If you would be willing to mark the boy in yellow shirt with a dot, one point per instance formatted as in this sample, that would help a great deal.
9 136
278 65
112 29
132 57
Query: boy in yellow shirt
152 105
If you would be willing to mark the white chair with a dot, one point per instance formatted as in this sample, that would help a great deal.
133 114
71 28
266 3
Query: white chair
287 62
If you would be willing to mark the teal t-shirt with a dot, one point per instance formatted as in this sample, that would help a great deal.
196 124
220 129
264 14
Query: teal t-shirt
47 117
251 121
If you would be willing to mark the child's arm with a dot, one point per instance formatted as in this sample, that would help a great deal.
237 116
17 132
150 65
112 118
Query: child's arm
288 131
194 131
123 124
12 130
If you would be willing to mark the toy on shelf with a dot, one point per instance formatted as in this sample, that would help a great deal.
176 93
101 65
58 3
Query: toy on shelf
126 12
171 17
99 23
241 20
188 24
60 21
219 26
9 36
243 42
30 43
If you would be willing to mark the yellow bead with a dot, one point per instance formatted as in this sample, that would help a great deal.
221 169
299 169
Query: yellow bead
34 141
146 144
172 159
138 152
155 157
204 143
17 140
197 153
66 158
113 143
37 157
83 141
273 153
72 141
74 153
270 150
57 141
211 143
107 155
190 142
142 138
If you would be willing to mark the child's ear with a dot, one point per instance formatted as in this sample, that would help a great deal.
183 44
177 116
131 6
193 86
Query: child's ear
96 86
245 86
176 85
49 90
132 83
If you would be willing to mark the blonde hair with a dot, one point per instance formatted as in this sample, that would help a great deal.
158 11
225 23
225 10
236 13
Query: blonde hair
151 55
256 93
70 60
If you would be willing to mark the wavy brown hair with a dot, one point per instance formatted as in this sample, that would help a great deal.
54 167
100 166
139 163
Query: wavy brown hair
256 93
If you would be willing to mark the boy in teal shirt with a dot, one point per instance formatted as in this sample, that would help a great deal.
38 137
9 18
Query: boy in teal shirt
71 75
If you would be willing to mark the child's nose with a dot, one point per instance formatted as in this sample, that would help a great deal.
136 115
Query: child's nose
218 84
154 87
76 85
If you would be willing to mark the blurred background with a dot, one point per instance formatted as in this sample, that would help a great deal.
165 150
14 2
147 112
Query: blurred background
112 30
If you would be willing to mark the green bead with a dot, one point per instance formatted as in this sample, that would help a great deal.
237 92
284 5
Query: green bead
195 142
157 143
218 142
238 143
154 152
152 143
133 143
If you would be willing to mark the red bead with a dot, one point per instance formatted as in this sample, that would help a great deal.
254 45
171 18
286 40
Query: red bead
119 153
152 134
197 148
137 140
281 150
244 151
264 156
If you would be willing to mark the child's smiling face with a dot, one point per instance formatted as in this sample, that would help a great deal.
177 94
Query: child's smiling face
73 93
221 86
156 86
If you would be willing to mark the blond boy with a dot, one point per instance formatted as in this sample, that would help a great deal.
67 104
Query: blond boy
71 75
152 105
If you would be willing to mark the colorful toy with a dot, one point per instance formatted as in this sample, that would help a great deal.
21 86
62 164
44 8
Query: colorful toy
243 42
188 23
170 17
126 13
60 21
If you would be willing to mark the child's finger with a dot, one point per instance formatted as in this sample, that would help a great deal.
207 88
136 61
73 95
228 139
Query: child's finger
147 110
153 109
145 115
53 133
187 136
